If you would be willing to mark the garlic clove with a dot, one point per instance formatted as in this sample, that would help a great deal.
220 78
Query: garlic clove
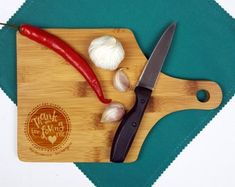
106 52
121 81
113 112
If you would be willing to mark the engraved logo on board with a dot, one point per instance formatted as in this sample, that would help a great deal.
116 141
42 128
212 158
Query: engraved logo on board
48 128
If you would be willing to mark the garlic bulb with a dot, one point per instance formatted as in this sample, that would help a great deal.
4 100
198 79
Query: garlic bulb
113 112
106 52
121 81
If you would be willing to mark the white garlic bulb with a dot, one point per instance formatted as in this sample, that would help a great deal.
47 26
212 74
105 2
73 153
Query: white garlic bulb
113 112
121 81
106 52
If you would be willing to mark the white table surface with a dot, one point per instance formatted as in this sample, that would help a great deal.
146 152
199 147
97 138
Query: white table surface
208 161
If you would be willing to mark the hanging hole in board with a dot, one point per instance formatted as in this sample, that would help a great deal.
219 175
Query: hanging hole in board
203 96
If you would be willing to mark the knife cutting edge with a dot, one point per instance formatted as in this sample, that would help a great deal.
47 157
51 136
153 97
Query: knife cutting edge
128 127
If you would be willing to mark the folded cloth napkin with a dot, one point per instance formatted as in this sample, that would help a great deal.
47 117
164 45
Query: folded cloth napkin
203 48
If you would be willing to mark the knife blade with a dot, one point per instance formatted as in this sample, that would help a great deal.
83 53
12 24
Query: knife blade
128 127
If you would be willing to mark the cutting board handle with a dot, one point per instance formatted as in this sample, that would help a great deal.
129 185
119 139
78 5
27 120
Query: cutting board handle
187 94
213 93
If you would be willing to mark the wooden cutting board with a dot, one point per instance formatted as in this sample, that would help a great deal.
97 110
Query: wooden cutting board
59 115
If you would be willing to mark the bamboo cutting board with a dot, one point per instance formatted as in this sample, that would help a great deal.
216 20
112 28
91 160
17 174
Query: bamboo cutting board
59 114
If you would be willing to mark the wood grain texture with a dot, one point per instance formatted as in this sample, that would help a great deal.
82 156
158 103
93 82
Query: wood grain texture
44 77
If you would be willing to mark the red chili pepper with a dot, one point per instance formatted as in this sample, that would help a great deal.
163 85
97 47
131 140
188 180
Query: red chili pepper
67 52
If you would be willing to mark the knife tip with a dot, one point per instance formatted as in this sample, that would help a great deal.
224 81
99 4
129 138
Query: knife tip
173 24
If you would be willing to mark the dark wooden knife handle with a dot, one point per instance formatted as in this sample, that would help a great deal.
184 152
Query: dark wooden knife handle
127 129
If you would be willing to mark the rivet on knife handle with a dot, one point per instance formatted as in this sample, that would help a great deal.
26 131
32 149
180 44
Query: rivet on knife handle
127 129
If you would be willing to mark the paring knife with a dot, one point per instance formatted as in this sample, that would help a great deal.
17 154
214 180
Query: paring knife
128 127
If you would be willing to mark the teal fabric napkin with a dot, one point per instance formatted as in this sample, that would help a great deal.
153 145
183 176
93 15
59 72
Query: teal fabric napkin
203 48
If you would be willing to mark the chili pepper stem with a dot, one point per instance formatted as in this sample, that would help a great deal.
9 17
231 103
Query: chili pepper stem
10 25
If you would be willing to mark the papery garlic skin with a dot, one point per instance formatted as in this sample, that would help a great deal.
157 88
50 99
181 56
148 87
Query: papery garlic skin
113 112
121 81
106 52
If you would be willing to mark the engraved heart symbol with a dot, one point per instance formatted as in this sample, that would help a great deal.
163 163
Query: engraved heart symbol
52 139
